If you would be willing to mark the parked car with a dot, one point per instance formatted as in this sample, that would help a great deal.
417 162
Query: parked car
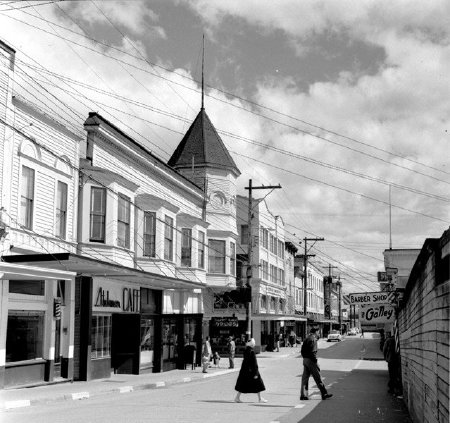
352 332
334 335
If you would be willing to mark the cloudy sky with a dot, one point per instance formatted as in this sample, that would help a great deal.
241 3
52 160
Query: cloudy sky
334 100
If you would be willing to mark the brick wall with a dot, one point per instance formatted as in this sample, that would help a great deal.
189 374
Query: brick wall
424 334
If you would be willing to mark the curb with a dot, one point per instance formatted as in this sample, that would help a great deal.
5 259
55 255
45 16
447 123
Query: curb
77 396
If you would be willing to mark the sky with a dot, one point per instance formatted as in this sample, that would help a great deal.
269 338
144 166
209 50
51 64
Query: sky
345 104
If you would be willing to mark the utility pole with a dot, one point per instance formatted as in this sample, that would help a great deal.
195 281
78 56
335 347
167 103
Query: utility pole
248 301
305 280
327 293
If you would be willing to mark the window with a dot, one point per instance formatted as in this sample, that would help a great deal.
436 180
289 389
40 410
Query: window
265 240
265 269
25 335
168 239
98 214
61 210
101 336
244 234
201 250
149 234
27 198
216 256
233 258
123 222
273 273
281 249
27 287
186 247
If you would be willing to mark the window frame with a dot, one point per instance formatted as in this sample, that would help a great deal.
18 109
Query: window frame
232 258
168 237
27 217
61 210
201 249
149 237
123 220
186 247
102 214
105 350
219 256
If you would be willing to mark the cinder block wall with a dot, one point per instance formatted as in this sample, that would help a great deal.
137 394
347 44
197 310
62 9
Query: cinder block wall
424 334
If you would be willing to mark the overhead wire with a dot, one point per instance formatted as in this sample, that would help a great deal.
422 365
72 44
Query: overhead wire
266 117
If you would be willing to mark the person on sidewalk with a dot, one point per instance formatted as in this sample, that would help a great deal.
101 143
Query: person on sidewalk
231 351
206 354
310 366
249 380
392 358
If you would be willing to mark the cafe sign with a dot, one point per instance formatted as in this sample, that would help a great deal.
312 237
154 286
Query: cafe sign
112 296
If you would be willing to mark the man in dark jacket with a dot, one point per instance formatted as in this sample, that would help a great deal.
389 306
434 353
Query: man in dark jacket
310 366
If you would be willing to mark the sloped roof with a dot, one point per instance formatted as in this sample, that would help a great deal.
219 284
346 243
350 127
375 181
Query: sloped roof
203 143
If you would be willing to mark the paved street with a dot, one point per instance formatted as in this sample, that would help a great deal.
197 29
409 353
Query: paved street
352 371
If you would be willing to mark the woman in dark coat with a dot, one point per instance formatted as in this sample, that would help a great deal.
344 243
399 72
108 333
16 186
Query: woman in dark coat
249 380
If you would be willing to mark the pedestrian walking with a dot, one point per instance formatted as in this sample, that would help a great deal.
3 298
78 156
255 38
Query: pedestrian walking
392 358
249 380
206 354
292 338
231 351
311 367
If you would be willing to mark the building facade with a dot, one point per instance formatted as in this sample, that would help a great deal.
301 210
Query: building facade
272 290
38 190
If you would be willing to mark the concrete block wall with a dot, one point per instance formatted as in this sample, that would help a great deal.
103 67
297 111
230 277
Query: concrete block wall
424 334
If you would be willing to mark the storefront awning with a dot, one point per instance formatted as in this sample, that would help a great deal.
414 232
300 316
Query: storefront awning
24 272
69 262
278 318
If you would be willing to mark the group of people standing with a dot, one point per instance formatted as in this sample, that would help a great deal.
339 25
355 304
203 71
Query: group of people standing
249 380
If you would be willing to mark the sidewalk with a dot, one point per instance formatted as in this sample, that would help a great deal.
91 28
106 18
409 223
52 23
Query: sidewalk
118 383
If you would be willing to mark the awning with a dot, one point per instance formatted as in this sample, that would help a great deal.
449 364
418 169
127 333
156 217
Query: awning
22 272
277 317
69 262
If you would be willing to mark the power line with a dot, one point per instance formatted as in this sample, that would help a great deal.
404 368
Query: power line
261 106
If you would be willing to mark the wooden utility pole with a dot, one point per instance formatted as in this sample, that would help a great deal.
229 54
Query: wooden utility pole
248 308
305 281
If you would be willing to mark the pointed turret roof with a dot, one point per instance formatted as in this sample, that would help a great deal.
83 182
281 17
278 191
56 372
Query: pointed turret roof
203 143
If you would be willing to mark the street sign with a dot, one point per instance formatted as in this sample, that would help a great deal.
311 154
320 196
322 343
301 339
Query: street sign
377 313
361 298
382 277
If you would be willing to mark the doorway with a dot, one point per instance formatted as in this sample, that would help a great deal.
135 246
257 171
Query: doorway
125 343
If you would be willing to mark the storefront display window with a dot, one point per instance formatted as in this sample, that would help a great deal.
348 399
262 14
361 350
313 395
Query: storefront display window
169 340
25 335
101 336
147 342
26 287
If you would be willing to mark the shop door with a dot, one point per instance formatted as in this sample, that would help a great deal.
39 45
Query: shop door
169 343
125 340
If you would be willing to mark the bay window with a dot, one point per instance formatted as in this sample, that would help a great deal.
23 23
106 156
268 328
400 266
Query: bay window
98 214
186 247
61 210
216 256
149 234
123 222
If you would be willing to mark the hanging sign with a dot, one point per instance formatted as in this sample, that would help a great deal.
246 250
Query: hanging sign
361 298
377 313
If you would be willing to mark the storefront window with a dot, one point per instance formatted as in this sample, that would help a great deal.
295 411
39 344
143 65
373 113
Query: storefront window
169 340
27 287
147 341
101 336
25 335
